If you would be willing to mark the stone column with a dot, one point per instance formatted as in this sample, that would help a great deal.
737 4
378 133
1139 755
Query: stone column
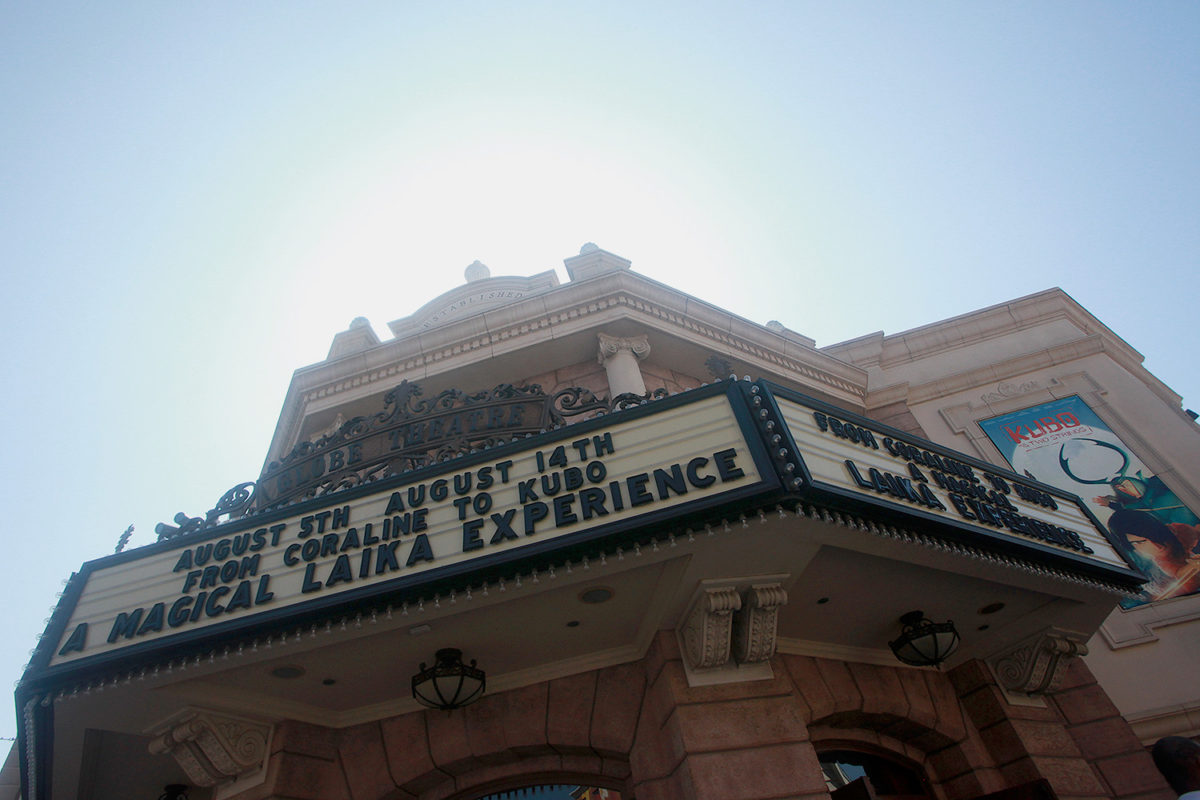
620 360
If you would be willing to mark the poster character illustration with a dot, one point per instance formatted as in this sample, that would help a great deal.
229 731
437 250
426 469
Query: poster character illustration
1063 443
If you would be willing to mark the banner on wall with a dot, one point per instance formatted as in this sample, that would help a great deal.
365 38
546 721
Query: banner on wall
1063 443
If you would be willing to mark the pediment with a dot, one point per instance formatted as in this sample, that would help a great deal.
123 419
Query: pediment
474 297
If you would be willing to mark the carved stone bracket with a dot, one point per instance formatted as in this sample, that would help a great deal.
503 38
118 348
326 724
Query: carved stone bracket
755 624
213 748
706 631
1036 666
730 629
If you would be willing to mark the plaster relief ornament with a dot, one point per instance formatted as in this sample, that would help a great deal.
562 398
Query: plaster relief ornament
214 748
1037 665
755 624
706 633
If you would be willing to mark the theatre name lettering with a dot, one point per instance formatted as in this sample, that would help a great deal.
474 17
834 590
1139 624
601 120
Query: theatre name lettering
551 491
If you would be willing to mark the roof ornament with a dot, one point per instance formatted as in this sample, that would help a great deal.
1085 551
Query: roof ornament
477 271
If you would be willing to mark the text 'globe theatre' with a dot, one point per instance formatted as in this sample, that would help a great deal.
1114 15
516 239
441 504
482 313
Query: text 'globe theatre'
604 536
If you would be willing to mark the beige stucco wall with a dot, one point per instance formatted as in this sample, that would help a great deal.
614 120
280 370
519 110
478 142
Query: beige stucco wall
1031 351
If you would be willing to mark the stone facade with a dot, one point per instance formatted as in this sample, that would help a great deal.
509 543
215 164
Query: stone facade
737 648
640 728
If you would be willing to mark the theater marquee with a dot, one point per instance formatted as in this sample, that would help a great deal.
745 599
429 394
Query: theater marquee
590 480
851 461
583 488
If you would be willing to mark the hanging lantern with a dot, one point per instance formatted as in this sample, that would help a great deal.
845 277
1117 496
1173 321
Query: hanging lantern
923 642
449 683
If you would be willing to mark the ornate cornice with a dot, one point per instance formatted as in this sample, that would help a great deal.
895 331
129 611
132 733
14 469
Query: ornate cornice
564 310
418 359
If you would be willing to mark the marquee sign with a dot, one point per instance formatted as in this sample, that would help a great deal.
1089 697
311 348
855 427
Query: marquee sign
507 506
853 462
590 480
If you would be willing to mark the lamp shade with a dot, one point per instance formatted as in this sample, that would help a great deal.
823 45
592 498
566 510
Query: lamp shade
923 642
449 683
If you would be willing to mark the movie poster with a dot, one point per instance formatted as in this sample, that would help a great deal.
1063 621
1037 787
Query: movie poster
1063 443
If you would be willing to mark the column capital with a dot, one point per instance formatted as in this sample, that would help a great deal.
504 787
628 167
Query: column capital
637 346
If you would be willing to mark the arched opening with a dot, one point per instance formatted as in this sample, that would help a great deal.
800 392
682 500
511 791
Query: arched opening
860 775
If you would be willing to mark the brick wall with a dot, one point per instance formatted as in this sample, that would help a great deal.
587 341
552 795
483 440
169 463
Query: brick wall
641 729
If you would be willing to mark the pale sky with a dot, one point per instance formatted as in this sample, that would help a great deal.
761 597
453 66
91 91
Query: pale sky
195 197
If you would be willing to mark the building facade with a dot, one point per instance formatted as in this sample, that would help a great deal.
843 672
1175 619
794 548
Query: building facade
678 544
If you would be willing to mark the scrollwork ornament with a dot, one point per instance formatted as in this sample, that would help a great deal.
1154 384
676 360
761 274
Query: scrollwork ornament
322 466
1037 665
572 402
609 346
755 625
706 632
397 403
234 502
214 748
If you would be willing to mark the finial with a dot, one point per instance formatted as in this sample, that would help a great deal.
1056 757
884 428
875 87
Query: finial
589 247
478 271
360 322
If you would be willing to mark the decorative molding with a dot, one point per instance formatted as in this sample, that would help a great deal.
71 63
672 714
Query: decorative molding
729 632
962 418
1036 666
471 298
880 656
407 354
707 630
1127 627
755 624
1151 725
1007 391
213 748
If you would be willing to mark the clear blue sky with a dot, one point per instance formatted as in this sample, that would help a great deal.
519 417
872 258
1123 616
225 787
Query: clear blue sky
194 197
